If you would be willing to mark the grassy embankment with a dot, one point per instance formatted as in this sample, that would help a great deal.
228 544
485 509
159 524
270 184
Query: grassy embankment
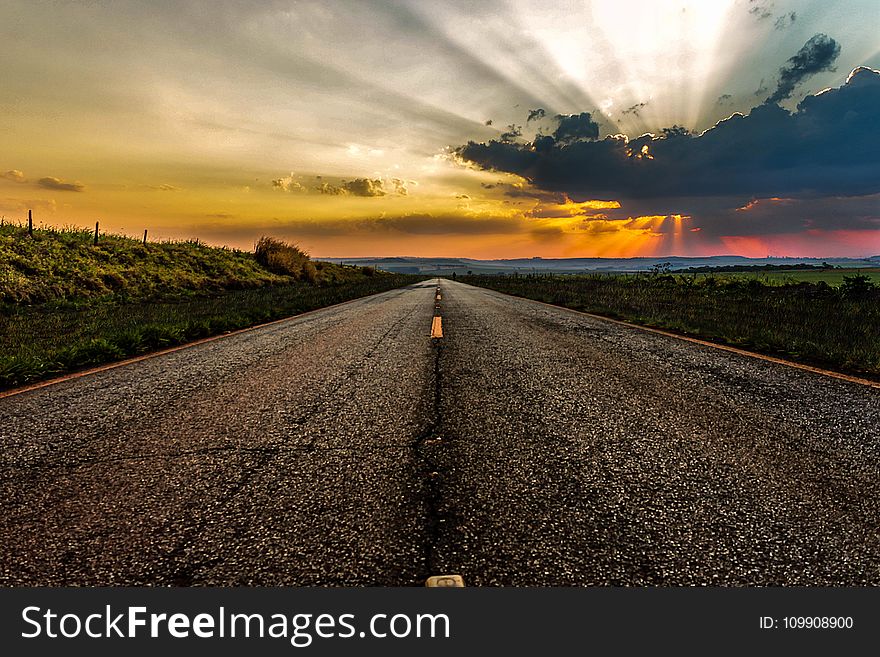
66 303
833 327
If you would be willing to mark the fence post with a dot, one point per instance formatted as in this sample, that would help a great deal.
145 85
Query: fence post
145 236
30 223
96 233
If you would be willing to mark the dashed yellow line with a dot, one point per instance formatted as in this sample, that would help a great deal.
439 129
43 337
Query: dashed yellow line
445 581
437 327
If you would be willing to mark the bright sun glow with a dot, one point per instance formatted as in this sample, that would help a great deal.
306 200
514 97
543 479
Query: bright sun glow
337 124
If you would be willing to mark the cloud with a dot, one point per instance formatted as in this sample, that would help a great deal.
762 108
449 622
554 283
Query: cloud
785 21
363 187
545 233
762 88
723 99
165 188
821 155
536 114
575 127
408 224
400 186
634 109
288 184
817 54
830 145
443 224
60 185
568 208
14 175
510 135
793 214
759 9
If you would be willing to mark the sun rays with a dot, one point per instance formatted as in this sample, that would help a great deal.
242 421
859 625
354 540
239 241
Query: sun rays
182 119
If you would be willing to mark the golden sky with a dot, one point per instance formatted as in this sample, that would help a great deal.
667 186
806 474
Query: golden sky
337 124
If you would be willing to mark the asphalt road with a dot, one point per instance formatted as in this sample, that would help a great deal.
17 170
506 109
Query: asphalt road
529 446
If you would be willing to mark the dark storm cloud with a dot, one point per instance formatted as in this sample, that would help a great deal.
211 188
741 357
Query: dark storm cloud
817 54
575 127
829 146
510 135
60 185
536 114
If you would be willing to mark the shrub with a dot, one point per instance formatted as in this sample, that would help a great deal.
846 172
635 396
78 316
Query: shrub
281 257
856 287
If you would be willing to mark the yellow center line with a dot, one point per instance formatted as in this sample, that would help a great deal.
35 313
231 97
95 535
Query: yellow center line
437 327
445 581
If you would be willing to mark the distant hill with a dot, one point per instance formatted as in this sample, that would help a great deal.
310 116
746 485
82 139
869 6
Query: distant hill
441 266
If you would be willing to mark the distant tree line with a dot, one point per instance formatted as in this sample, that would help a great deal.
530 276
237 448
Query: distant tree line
707 269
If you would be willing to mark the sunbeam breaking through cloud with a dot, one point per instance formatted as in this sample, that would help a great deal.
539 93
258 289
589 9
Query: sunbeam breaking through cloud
605 127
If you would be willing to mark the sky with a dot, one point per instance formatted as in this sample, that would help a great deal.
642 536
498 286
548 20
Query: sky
451 128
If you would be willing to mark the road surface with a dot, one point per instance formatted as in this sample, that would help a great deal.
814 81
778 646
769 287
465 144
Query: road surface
530 445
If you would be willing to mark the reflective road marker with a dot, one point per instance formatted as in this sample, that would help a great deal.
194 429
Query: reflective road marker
445 581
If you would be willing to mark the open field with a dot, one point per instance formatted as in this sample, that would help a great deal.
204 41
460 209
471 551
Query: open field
838 328
833 277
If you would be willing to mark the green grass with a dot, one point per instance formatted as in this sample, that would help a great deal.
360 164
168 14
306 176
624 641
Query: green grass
41 341
66 303
833 277
838 328
63 264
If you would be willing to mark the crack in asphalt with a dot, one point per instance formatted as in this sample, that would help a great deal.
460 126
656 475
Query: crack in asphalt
425 447
429 466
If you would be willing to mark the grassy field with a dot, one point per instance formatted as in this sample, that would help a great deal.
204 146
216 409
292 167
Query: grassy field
64 264
834 327
66 303
833 277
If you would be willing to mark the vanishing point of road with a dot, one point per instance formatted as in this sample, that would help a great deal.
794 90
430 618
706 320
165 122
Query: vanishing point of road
529 445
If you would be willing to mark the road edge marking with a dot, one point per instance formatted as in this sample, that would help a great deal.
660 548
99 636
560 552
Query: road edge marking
12 392
706 343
